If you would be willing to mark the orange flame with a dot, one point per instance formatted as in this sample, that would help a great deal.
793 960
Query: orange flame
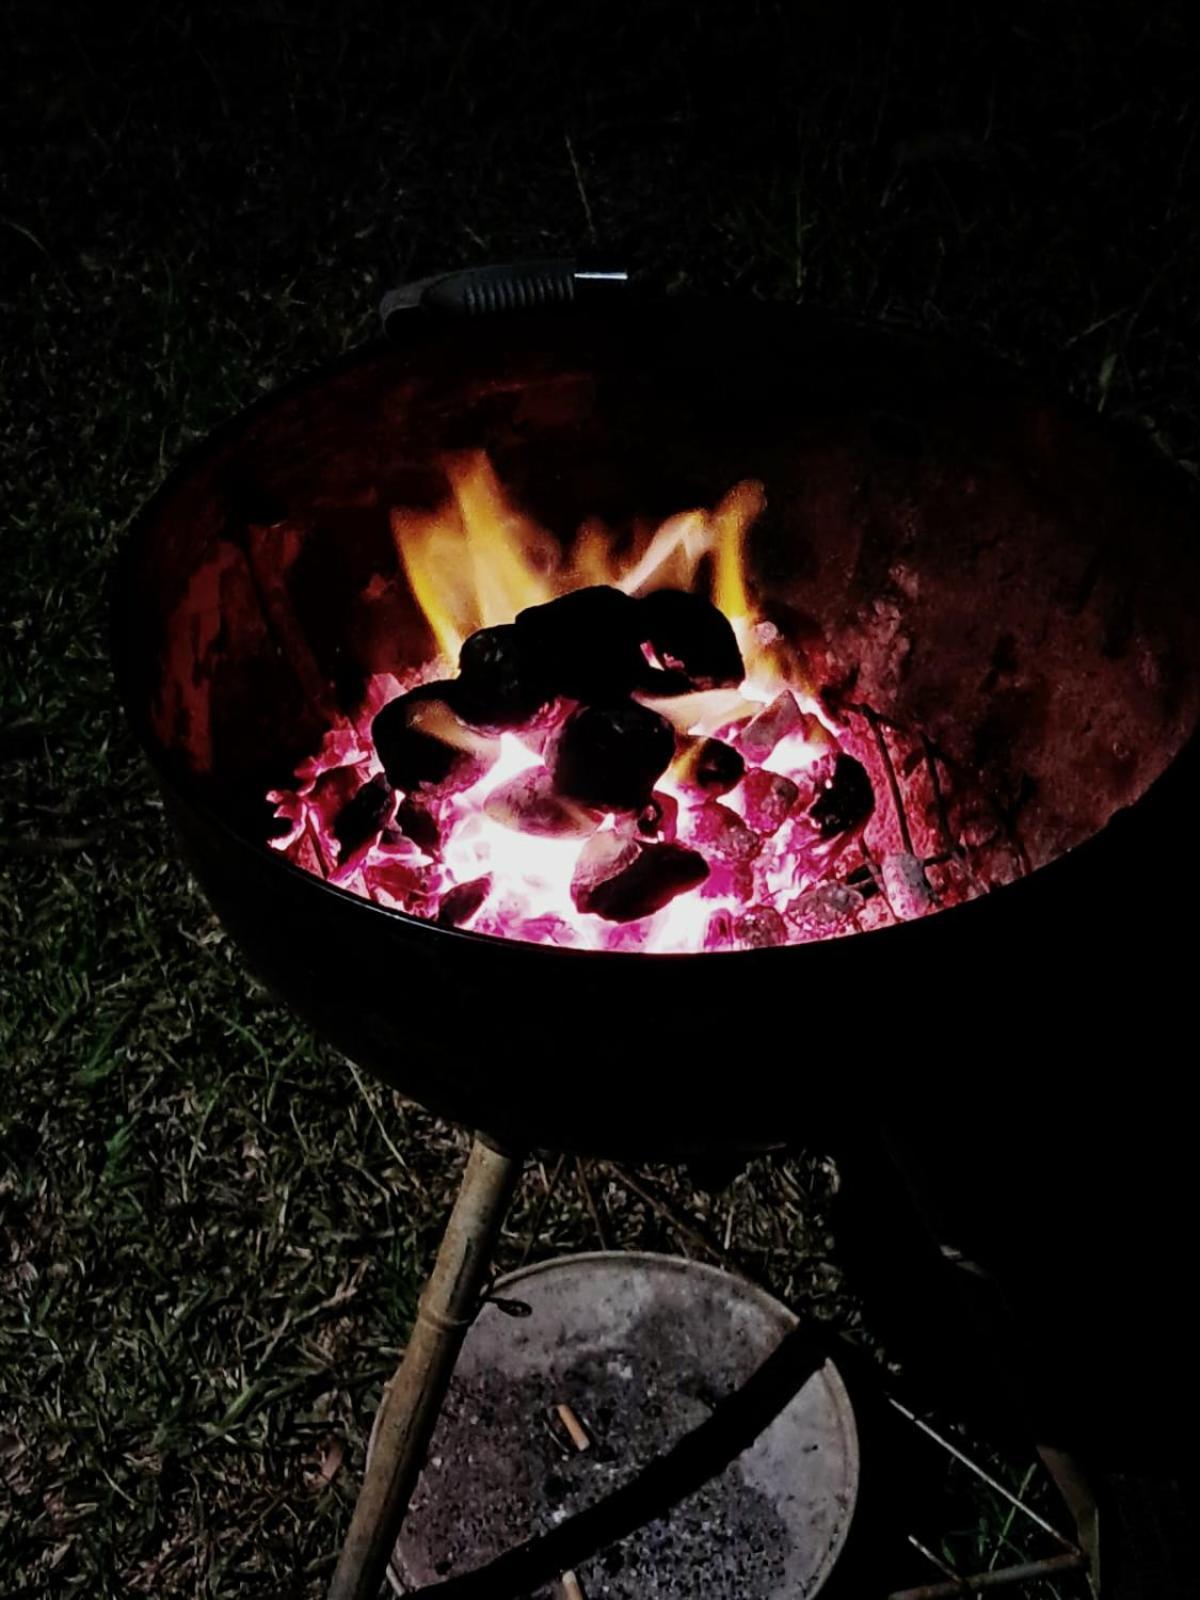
731 523
478 560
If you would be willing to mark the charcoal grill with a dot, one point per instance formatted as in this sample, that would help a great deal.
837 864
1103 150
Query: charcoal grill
994 568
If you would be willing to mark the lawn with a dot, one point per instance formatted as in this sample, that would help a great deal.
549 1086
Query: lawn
211 1231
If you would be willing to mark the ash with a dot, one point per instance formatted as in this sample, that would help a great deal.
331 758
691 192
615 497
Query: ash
500 1471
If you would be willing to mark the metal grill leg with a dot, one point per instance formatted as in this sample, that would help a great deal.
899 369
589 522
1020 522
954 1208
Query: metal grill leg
414 1397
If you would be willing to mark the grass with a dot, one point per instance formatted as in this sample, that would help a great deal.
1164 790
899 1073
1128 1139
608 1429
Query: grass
211 1234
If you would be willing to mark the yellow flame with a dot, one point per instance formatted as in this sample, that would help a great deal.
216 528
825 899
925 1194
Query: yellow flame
509 555
672 556
477 560
732 520
430 547
592 559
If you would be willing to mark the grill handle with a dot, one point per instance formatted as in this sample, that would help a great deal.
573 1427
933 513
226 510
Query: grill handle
509 286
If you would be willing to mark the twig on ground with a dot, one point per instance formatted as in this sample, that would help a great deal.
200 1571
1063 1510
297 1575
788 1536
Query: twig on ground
980 1582
984 1476
590 1202
674 1218
539 1215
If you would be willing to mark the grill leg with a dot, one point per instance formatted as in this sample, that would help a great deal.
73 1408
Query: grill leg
414 1397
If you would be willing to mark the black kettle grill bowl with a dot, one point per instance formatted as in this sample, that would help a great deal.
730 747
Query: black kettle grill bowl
1071 972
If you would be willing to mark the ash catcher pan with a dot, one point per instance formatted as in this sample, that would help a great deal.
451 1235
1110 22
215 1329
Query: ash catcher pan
636 1350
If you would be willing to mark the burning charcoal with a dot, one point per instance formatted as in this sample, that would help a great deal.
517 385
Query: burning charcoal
719 933
759 928
304 852
499 686
906 886
604 856
459 905
544 930
730 881
402 882
722 833
363 817
767 798
647 882
417 824
719 766
773 723
529 803
585 644
658 818
335 788
611 756
710 765
420 740
846 799
691 636
831 908
628 937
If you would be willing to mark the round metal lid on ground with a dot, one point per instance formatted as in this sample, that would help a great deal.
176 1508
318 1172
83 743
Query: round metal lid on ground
619 1356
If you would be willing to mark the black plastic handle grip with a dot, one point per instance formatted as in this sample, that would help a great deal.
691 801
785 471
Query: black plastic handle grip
511 286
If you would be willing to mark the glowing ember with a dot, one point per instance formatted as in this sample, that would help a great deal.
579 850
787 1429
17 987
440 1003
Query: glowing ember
603 774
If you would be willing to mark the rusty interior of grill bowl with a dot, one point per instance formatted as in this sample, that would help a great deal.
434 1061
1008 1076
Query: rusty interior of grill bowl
985 600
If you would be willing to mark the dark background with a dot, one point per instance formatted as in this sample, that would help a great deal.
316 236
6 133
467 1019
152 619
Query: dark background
210 1233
